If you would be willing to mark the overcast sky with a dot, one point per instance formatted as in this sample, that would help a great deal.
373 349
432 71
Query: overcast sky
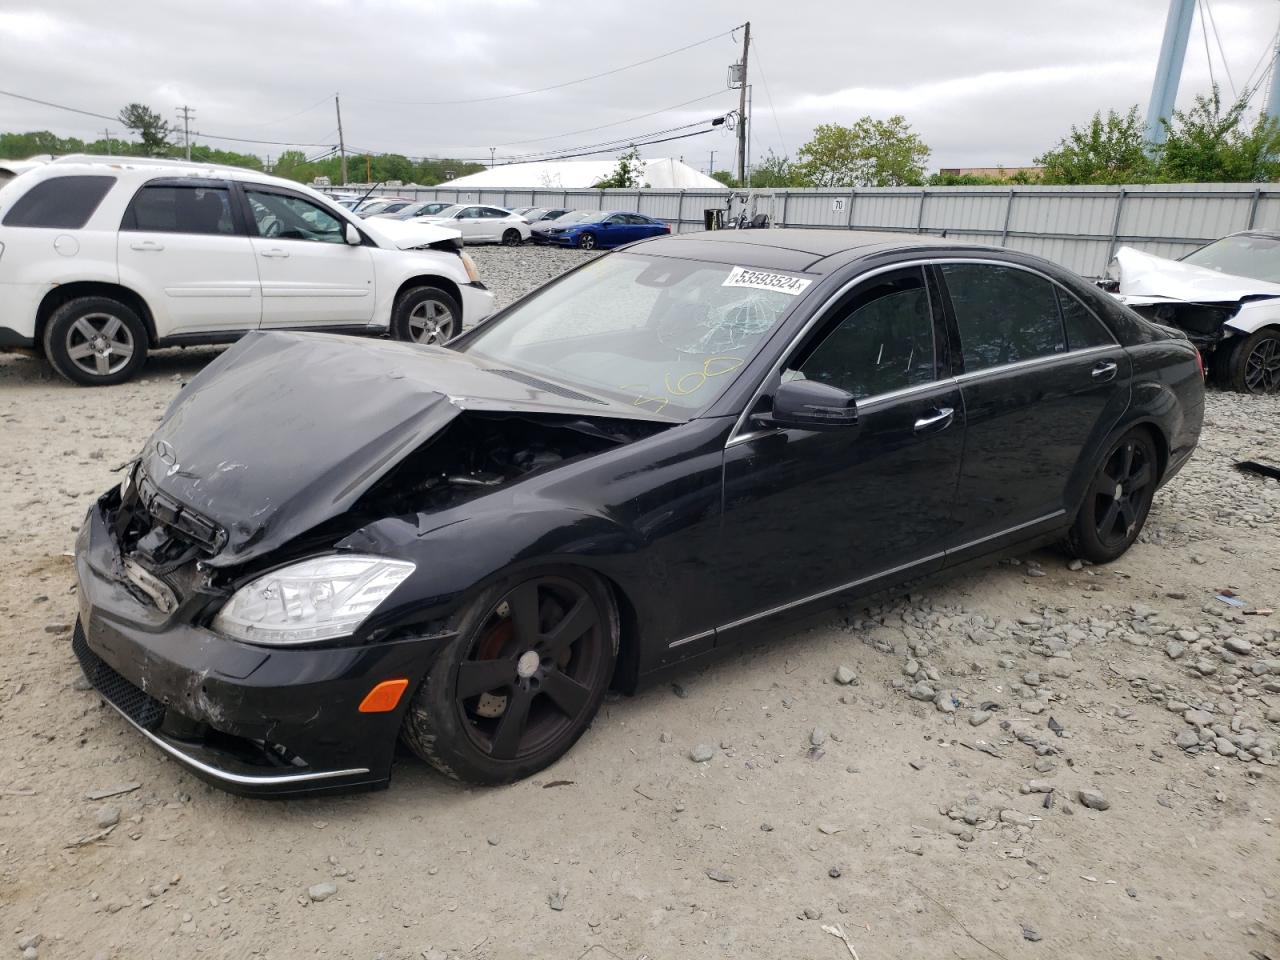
983 82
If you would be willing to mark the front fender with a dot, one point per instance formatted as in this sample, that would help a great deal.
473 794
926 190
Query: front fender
1253 316
457 560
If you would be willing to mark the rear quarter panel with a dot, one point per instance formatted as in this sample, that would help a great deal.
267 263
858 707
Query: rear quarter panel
1168 392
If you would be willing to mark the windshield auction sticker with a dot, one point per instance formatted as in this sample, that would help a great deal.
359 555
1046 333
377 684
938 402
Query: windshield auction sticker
758 280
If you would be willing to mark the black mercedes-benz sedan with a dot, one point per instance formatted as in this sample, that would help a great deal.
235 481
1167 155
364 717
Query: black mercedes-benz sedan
330 544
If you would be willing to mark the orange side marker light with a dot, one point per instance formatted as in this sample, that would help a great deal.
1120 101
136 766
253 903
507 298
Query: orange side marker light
384 697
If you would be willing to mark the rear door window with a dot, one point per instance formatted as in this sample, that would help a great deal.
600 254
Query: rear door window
181 208
1083 328
64 203
1005 315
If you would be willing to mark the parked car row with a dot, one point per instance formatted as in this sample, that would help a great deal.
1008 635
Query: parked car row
485 223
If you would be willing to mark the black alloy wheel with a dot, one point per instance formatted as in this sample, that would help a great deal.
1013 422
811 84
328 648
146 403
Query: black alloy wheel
1118 501
1260 362
523 681
511 238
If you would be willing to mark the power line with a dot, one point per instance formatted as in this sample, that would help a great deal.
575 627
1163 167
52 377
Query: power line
769 95
1204 30
554 86
617 123
197 133
512 161
1208 9
58 106
585 149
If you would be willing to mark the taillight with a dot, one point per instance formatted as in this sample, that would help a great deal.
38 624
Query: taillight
1200 363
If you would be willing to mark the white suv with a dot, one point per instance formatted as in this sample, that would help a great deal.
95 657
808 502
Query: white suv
103 258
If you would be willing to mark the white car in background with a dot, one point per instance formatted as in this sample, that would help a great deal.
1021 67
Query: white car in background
102 259
482 224
1225 297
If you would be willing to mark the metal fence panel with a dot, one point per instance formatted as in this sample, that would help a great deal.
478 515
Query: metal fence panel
1079 227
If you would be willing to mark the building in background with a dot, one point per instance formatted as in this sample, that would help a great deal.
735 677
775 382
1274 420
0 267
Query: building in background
665 173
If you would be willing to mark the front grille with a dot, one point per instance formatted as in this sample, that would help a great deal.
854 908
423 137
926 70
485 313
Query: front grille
145 711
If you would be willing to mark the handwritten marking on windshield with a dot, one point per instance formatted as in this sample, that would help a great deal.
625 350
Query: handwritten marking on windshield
687 383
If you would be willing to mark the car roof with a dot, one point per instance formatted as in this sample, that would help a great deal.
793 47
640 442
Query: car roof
149 167
794 248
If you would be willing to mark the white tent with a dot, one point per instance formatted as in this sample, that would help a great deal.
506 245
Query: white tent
662 173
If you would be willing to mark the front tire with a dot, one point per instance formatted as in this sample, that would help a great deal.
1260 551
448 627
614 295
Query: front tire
521 682
1118 501
1253 366
511 238
587 241
95 341
426 315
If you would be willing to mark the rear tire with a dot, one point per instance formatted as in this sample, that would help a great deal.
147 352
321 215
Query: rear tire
509 696
426 315
1118 500
95 341
1253 364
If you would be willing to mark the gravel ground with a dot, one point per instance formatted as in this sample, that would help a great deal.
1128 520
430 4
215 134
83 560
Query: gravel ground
1034 759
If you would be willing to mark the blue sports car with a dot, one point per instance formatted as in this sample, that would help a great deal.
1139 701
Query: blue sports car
606 228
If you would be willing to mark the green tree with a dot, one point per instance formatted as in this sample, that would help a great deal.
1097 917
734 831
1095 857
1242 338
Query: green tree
628 173
775 171
1110 149
1213 144
871 153
725 177
156 134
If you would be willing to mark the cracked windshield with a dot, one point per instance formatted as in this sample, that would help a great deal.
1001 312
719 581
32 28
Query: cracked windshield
664 335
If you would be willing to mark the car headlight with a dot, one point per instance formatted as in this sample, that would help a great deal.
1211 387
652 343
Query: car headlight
317 599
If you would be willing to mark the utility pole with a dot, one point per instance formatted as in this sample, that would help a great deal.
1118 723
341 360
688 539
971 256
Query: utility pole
712 166
1273 97
342 144
742 104
491 149
1173 51
106 132
186 113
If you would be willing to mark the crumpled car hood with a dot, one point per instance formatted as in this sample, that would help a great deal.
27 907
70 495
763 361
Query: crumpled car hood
1144 275
284 431
407 234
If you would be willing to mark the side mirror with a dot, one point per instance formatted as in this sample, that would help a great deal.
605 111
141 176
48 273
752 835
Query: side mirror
812 405
352 236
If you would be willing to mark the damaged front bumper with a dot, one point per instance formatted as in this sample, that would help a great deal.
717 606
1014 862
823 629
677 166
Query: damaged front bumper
254 720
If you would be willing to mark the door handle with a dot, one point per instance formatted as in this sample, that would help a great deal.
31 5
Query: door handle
146 245
940 419
275 252
1104 371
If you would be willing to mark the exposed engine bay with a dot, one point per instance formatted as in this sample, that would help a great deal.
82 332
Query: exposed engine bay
480 452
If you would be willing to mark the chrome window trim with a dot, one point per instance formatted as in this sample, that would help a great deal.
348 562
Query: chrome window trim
737 435
1033 362
783 607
